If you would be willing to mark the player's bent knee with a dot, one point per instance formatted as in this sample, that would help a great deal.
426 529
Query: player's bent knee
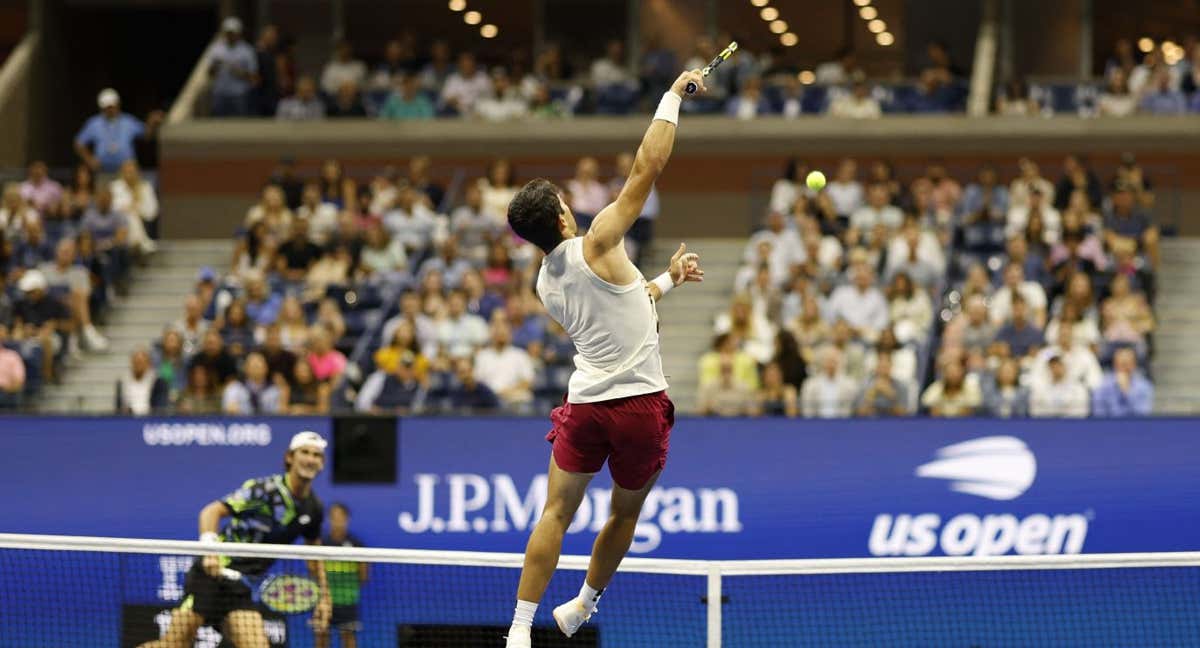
246 629
182 631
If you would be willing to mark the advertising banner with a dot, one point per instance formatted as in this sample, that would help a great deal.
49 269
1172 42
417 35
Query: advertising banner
732 489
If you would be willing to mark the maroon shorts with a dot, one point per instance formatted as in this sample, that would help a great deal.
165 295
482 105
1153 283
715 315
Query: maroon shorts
633 433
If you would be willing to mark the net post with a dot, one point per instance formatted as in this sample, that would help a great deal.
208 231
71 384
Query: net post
714 605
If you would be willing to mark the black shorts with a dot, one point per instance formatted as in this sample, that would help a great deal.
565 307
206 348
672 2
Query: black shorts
345 617
214 598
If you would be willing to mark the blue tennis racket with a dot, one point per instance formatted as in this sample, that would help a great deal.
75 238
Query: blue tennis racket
282 593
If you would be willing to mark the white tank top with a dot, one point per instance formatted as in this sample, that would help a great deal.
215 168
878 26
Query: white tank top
614 328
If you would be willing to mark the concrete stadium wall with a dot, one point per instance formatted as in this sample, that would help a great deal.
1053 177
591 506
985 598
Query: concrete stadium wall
716 184
16 78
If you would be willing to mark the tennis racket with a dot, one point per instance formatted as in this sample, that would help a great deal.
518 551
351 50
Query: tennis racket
725 54
282 593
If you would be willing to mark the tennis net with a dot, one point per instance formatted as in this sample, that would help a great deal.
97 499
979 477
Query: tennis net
84 591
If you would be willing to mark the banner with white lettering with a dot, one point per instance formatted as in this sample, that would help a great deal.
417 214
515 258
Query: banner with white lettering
732 489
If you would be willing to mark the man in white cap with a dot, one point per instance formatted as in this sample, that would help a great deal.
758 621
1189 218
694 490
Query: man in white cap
269 510
233 66
37 316
106 140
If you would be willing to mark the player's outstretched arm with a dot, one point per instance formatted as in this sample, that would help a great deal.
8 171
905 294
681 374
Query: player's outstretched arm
211 516
611 224
684 267
210 524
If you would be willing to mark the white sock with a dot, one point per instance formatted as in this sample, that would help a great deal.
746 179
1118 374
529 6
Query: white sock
523 616
589 597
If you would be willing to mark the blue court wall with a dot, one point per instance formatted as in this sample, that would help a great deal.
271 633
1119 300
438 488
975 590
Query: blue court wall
732 489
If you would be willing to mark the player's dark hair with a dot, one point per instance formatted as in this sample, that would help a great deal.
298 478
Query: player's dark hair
339 505
533 214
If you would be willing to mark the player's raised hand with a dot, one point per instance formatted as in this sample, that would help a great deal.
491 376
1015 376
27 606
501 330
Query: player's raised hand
685 266
693 76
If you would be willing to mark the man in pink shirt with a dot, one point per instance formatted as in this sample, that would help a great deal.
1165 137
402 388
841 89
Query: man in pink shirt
327 363
588 194
12 368
41 191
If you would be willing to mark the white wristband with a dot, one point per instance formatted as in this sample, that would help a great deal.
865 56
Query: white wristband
208 537
664 283
668 108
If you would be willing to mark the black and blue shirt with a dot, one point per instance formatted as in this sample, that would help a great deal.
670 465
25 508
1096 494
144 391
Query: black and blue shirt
264 510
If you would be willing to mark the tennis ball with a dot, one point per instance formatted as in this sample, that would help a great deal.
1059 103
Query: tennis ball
815 181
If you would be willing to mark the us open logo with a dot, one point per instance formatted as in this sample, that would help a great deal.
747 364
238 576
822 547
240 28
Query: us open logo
995 467
1000 468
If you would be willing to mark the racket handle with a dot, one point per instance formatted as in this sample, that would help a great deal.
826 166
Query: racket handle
691 87
231 574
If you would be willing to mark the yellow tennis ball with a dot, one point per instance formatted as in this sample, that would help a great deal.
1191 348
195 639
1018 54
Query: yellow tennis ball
815 181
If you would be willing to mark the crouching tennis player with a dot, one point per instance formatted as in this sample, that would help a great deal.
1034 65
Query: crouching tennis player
274 510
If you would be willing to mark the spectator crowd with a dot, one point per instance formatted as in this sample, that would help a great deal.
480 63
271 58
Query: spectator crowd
405 80
388 294
875 297
1025 295
68 250
1155 81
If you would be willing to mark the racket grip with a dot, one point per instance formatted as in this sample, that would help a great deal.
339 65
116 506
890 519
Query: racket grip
691 87
231 574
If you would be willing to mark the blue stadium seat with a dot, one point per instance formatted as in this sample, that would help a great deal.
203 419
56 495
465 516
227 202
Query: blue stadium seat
367 297
900 99
774 96
356 322
31 354
703 105
337 292
815 99
1063 98
340 397
56 229
1086 98
616 99
373 100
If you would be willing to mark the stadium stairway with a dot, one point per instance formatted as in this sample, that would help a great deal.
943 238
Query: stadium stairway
1177 307
687 313
155 299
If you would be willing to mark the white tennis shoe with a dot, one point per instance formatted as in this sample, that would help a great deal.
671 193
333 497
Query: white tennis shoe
571 615
518 637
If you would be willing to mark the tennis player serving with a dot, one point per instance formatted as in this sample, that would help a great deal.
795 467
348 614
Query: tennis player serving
616 406
275 510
